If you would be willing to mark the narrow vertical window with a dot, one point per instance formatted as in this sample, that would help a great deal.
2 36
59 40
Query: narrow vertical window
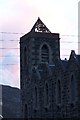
46 94
35 97
44 54
73 90
58 92
26 112
25 56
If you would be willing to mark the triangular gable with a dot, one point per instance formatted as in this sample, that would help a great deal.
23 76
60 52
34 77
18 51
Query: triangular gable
73 60
39 26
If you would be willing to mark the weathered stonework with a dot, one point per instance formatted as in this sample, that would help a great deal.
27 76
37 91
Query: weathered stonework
50 87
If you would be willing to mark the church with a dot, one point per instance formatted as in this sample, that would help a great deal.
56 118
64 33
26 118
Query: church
50 87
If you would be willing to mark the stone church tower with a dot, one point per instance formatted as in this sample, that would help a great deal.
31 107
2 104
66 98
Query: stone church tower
44 77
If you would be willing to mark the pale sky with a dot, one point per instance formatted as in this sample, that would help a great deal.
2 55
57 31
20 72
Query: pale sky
19 16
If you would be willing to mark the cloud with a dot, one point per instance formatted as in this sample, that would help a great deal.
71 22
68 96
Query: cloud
7 78
10 58
20 16
9 70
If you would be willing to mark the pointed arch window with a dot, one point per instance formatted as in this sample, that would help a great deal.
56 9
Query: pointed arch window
45 54
58 92
73 89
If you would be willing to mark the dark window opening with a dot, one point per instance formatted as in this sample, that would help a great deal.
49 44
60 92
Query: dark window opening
58 92
35 97
73 90
26 111
25 56
46 94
